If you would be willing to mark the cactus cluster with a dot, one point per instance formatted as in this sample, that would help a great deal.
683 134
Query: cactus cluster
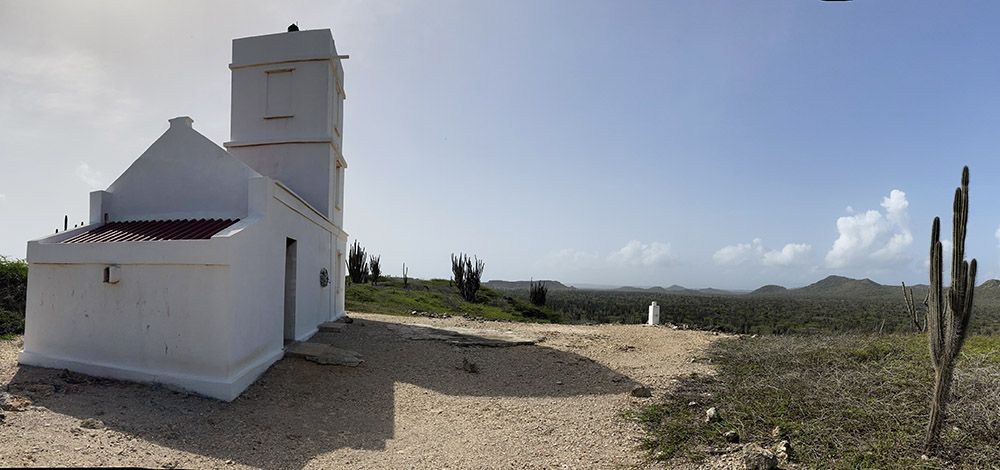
357 263
466 275
948 312
537 292
361 267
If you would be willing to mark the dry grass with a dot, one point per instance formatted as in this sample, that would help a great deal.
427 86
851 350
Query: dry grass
843 401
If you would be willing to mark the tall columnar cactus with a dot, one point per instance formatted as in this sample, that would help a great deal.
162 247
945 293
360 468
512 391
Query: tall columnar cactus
357 263
374 268
948 312
537 292
466 275
458 272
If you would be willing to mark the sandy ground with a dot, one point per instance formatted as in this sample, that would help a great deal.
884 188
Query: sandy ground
556 404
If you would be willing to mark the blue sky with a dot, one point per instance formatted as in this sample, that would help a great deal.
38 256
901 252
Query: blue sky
726 144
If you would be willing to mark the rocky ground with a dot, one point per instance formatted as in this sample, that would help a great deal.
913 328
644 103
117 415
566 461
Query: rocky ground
421 398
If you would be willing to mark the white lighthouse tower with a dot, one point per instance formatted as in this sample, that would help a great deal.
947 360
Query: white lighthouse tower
288 114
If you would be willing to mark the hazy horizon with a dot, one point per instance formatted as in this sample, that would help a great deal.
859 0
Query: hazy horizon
705 144
597 286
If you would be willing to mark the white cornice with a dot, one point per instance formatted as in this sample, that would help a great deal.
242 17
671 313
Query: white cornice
294 140
289 61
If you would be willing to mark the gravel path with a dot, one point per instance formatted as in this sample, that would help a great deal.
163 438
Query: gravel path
410 404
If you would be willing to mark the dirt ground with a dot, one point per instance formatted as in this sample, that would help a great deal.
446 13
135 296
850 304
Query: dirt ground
410 404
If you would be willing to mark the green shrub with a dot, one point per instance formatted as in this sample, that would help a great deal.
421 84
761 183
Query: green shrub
13 290
11 323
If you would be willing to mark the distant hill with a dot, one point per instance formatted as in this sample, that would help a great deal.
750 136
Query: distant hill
676 289
988 291
714 291
524 285
990 285
840 286
770 289
836 287
845 287
636 289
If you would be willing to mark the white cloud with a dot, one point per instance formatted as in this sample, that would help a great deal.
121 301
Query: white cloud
740 253
791 254
755 253
66 81
636 253
570 258
94 179
3 197
895 205
872 236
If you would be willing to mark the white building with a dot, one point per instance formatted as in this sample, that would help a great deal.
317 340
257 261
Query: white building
200 263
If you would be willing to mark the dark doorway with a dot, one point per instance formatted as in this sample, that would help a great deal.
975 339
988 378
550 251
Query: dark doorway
290 262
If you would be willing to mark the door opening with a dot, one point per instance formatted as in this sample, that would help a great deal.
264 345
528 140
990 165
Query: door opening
290 262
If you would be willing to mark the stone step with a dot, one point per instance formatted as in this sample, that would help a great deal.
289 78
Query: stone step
335 326
324 354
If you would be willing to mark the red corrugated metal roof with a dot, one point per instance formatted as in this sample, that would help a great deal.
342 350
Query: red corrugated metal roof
153 230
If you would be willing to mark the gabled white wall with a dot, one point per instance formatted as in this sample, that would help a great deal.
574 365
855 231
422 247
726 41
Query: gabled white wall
182 175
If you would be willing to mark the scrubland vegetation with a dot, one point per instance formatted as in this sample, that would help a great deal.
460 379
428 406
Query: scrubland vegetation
440 296
843 401
753 314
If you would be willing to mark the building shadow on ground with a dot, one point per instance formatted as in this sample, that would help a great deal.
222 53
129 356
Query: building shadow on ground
298 410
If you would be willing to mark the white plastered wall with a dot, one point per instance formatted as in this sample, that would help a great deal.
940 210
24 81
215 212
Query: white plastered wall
259 286
160 323
309 165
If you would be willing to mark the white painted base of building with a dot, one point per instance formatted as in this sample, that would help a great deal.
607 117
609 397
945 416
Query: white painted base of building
226 390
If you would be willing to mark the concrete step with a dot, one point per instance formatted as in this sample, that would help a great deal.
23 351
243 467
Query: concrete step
324 354
335 326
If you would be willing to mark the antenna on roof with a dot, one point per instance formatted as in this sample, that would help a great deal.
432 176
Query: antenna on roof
293 27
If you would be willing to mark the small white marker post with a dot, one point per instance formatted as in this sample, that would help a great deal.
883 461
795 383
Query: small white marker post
654 314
